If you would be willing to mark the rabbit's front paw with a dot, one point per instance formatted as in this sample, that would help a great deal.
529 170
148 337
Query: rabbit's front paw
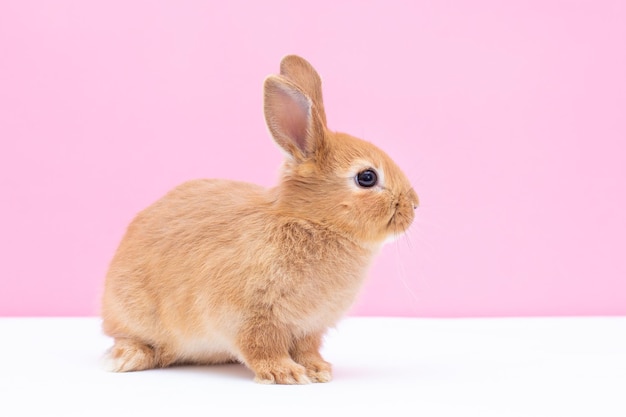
284 371
318 371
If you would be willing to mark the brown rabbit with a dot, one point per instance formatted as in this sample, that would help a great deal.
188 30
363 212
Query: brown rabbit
219 271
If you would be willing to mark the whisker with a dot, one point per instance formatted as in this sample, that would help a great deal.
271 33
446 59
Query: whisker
407 239
402 274
421 235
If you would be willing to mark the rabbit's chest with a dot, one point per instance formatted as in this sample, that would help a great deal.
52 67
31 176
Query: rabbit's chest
307 275
317 295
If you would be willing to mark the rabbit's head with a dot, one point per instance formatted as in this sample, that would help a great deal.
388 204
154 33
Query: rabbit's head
332 178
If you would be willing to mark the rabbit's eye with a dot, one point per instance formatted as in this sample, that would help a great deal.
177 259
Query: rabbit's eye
367 178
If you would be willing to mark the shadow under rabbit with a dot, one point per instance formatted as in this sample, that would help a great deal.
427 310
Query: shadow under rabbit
226 371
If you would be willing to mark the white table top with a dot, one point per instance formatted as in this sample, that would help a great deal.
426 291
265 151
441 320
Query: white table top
419 367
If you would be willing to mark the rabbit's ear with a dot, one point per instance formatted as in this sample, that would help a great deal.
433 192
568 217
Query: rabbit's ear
292 118
300 72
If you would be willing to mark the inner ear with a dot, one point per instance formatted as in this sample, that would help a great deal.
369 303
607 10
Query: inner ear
288 113
293 112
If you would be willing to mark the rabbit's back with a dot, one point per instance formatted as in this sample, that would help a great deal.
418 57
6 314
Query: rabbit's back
168 273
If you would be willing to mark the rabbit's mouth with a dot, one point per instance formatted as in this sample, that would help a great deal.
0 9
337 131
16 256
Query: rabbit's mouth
396 226
403 213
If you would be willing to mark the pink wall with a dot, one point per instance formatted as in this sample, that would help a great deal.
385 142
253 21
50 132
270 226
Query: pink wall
510 118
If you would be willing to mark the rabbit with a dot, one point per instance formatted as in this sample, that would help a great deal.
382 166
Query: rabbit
221 271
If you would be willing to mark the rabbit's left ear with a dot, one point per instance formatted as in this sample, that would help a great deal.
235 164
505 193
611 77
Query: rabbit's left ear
291 117
300 72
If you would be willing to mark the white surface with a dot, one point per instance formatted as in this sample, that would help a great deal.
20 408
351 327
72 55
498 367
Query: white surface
418 367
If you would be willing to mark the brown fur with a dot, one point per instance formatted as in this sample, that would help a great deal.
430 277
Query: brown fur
220 271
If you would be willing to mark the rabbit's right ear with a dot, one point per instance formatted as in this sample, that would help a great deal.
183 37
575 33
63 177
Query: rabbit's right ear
299 71
292 118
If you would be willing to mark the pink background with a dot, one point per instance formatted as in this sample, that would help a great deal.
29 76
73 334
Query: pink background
508 116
